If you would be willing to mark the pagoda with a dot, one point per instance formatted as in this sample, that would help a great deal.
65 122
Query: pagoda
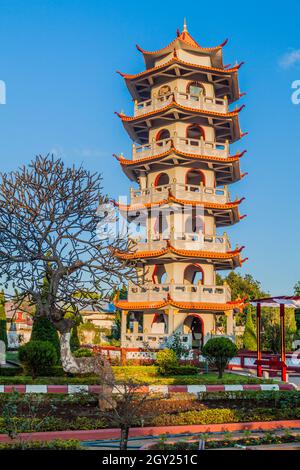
181 129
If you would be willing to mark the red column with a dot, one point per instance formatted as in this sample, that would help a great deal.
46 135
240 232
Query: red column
282 343
258 338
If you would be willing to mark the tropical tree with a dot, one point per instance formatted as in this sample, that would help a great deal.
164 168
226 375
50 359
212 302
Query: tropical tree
249 337
218 352
49 228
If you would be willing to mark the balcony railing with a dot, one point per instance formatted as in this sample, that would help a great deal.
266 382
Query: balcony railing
188 100
184 241
188 192
143 340
183 144
180 292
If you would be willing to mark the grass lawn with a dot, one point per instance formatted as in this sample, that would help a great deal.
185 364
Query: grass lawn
12 356
142 374
148 374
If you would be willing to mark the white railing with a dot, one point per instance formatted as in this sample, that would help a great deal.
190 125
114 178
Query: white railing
140 340
183 144
188 192
188 100
184 241
180 292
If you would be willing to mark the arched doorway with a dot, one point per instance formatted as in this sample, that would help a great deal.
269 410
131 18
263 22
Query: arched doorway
193 326
195 178
159 324
159 275
193 274
194 224
163 134
162 179
195 132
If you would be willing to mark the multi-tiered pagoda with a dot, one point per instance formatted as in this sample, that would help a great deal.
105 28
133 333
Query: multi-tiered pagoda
182 129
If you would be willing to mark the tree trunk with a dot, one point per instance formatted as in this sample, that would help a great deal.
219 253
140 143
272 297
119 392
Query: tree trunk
69 363
124 438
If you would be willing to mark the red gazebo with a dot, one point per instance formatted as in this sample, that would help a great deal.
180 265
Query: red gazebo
278 302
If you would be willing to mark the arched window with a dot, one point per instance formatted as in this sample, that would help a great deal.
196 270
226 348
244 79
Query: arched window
195 89
163 134
195 178
193 274
162 179
159 275
195 132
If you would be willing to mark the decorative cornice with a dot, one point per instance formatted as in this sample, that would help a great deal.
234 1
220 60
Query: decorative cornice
186 253
125 118
125 305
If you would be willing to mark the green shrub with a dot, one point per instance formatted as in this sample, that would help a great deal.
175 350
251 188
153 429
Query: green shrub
10 371
218 352
38 357
249 337
83 352
166 359
182 370
43 330
74 340
175 343
56 444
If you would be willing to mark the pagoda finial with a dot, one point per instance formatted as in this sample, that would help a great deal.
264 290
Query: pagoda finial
184 26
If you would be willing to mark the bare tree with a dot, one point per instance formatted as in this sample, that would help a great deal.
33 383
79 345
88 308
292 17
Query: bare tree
48 230
129 405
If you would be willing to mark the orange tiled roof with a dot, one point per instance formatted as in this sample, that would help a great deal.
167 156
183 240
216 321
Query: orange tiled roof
123 117
125 305
171 249
176 59
207 205
186 38
124 161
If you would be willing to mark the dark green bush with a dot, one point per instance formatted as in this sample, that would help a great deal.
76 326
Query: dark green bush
218 352
181 370
38 357
74 340
83 352
43 330
10 371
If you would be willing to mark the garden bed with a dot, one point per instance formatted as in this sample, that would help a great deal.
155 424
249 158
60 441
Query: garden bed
80 412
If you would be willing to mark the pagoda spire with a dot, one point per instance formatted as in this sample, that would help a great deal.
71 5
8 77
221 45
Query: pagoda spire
184 26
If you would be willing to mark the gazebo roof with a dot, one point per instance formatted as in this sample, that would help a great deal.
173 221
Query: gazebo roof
292 301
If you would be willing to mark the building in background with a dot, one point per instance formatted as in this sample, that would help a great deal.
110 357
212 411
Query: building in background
183 124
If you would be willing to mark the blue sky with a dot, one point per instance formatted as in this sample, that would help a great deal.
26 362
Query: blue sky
58 60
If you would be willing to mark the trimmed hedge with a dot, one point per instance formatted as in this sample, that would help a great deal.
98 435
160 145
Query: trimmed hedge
56 444
38 357
225 415
43 330
182 370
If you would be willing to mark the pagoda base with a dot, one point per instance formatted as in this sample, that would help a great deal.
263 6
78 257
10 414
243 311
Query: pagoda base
151 330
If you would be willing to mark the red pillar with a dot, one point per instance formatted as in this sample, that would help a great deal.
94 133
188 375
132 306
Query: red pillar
282 343
258 338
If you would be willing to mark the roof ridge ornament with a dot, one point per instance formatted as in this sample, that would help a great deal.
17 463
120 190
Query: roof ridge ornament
184 26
